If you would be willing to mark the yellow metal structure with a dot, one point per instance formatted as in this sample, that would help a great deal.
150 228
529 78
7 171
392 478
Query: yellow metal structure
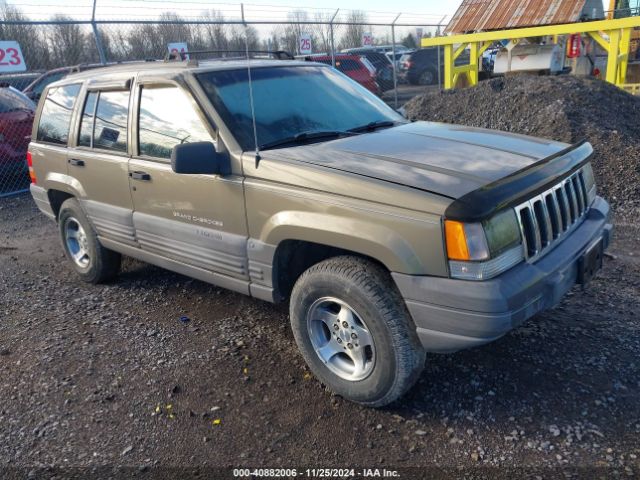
612 8
633 88
612 35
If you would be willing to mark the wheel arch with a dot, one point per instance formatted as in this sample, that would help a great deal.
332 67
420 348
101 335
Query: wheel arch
57 198
297 248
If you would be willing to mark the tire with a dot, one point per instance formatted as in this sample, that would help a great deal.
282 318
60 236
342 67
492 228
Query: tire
355 290
92 262
428 77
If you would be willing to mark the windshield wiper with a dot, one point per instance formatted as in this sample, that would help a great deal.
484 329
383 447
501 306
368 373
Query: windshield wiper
371 126
303 137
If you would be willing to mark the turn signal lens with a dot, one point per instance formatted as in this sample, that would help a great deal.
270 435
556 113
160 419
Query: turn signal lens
480 251
456 241
32 174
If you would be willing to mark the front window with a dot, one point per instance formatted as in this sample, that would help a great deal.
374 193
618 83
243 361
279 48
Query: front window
290 101
167 118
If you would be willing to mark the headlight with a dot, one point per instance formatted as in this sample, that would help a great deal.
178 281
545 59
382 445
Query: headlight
589 183
480 251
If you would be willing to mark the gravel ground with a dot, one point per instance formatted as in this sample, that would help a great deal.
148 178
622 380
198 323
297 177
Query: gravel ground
109 377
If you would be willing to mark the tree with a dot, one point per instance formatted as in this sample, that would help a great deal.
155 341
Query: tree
409 41
29 37
297 24
215 33
324 31
352 37
69 43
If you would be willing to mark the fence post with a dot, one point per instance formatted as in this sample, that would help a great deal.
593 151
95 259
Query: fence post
333 47
438 33
96 34
393 63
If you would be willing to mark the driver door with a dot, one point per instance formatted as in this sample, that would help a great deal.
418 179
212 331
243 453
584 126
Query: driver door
196 221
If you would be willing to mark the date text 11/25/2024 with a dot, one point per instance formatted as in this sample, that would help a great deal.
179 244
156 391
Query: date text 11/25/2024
316 472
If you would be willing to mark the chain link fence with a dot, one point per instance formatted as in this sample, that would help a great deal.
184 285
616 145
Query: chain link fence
376 49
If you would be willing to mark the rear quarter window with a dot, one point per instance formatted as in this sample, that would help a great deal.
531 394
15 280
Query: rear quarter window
57 110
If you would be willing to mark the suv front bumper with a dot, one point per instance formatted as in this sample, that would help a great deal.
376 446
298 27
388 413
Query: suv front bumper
452 314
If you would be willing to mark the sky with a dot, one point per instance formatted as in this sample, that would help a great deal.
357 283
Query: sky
413 12
379 10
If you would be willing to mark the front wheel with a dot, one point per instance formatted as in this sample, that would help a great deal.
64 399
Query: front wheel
354 331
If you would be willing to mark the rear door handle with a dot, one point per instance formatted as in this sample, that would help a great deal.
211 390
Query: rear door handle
76 163
140 176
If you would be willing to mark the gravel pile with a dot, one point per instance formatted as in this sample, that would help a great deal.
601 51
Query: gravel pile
567 108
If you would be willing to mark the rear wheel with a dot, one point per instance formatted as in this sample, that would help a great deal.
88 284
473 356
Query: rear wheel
427 77
354 331
93 262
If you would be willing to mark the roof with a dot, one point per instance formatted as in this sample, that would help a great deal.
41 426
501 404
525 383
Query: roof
483 15
175 67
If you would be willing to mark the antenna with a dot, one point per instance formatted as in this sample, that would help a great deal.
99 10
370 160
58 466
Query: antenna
253 110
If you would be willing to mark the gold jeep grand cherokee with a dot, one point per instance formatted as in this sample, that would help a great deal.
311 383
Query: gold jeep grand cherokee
287 181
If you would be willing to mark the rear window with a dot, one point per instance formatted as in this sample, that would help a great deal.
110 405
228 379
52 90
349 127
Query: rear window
347 65
55 118
12 101
109 121
369 65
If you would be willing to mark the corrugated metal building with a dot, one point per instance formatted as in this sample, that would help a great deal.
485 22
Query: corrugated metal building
483 15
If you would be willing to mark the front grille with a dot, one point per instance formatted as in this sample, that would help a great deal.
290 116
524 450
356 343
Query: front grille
546 218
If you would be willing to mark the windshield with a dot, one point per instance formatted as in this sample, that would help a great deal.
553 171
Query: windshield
291 100
11 101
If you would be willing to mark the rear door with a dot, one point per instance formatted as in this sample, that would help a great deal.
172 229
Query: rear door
196 220
49 147
99 159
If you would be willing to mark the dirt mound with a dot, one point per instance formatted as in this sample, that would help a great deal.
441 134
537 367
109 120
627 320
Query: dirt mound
565 108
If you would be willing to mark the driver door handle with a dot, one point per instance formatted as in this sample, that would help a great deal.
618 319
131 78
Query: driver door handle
76 163
140 176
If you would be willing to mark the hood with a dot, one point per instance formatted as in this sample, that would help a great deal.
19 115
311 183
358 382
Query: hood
446 159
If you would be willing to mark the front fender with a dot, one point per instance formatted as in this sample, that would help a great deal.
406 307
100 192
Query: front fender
375 240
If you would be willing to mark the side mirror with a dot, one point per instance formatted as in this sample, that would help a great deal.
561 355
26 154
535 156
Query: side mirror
402 112
197 157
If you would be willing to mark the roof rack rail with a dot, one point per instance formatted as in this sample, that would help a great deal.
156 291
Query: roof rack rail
277 54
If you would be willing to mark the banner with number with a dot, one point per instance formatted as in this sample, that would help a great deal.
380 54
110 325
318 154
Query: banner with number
304 44
11 59
367 39
179 48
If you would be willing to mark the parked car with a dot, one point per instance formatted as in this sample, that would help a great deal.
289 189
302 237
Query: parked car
421 66
291 183
398 57
16 120
382 65
356 67
36 87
